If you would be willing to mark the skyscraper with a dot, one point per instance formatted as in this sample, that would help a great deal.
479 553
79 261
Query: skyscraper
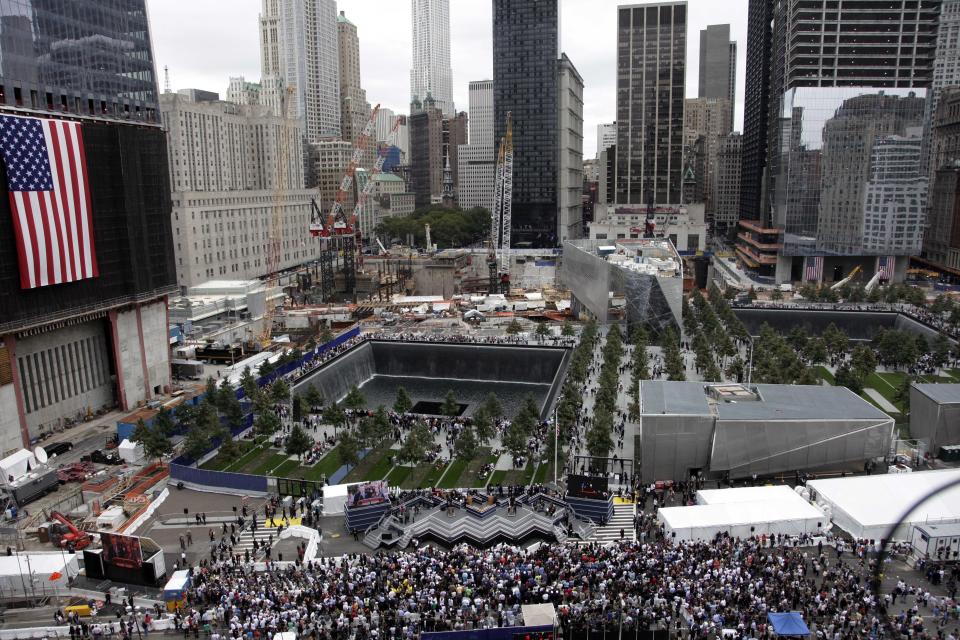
477 160
88 329
946 68
606 136
526 45
718 65
309 64
830 122
651 71
431 73
570 150
354 108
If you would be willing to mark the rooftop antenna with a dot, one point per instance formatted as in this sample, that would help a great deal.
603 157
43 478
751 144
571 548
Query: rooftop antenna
166 80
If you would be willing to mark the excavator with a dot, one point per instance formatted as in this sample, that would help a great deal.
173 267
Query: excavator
66 535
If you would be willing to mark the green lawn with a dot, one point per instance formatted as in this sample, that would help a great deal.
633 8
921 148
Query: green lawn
327 465
267 467
286 469
374 466
423 475
451 479
886 385
398 476
824 374
248 449
497 477
251 463
470 477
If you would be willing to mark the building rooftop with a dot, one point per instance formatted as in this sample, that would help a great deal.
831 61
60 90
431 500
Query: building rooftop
940 393
762 402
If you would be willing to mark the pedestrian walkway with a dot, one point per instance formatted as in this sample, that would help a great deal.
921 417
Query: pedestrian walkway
622 519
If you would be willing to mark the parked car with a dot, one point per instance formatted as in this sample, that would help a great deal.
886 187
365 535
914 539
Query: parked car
57 448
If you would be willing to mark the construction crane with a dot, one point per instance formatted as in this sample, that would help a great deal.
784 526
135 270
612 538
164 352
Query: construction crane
337 230
498 259
275 234
839 284
66 535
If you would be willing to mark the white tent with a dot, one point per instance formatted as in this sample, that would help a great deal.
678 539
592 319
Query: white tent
37 573
130 452
783 514
745 494
17 464
869 506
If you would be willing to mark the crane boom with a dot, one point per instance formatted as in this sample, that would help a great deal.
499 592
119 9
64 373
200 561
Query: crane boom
507 199
336 222
498 260
375 171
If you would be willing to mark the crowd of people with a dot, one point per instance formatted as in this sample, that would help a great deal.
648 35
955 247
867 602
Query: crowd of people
694 589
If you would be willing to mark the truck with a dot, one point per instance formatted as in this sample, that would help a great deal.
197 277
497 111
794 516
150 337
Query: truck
188 369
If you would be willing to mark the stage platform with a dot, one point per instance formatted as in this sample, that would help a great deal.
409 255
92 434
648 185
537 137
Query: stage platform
537 516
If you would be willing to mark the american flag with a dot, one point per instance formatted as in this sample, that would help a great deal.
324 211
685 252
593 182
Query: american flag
885 266
49 199
814 269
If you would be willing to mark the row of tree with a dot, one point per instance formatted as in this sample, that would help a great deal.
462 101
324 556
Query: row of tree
600 435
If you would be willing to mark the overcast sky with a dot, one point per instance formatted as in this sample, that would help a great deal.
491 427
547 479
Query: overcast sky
203 42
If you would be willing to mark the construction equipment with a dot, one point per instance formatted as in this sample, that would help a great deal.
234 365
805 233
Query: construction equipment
275 235
66 535
340 233
874 281
498 258
839 284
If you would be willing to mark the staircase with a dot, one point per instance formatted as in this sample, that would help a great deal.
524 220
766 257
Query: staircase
622 518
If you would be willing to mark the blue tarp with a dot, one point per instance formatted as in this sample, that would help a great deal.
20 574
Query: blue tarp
788 624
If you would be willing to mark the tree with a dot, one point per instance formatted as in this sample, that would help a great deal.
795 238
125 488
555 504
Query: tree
156 444
529 410
225 395
816 351
449 227
414 447
247 382
314 397
266 424
483 426
923 347
210 390
542 330
465 446
599 440
163 422
776 295
941 351
380 426
403 403
196 443
515 439
567 329
354 400
514 327
492 407
333 415
863 361
299 442
326 335
229 449
300 408
736 370
847 377
349 448
233 412
808 377
836 340
450 406
266 368
280 391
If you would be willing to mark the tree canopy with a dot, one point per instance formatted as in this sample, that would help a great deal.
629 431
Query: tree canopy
449 228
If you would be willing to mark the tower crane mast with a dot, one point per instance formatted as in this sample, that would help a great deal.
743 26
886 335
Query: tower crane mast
498 260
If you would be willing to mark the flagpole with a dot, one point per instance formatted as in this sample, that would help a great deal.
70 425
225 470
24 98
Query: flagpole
556 438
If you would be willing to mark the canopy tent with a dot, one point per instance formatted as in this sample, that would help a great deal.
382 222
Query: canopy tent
788 624
782 514
746 494
867 507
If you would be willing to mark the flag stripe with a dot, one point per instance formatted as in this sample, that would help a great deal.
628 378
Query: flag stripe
66 235
83 201
54 240
66 182
39 239
72 193
22 230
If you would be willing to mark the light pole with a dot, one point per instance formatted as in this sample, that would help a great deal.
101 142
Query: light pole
556 439
750 366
